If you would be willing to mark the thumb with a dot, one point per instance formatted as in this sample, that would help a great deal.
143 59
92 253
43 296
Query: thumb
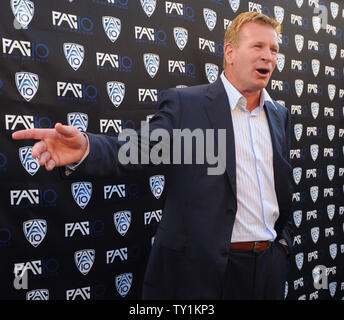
67 131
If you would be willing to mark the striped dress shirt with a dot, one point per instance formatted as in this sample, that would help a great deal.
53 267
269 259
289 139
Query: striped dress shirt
256 197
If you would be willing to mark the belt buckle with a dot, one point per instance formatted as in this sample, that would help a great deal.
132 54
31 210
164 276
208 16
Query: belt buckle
255 246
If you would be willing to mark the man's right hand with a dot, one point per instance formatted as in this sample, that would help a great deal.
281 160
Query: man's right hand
58 147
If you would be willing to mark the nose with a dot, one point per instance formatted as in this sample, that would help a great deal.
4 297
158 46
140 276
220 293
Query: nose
267 55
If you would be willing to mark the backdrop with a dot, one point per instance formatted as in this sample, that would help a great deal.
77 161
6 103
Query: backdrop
103 65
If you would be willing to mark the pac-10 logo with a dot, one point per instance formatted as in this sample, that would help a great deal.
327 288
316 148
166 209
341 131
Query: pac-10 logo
76 91
148 7
115 125
30 165
39 295
122 221
12 122
150 35
82 192
109 61
174 9
75 54
84 260
299 21
32 198
122 191
116 92
181 68
210 18
252 6
210 47
280 86
211 71
150 96
40 51
27 84
62 20
151 62
78 120
23 11
123 283
157 184
35 231
84 228
112 27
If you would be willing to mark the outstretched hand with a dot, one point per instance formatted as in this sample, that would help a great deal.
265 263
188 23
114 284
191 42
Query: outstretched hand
59 146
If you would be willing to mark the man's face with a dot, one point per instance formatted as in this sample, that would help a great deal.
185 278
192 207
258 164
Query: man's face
250 64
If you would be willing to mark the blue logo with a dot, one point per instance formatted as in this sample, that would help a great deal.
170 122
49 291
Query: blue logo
116 92
234 5
148 7
40 294
151 62
23 11
30 165
112 27
123 283
156 184
122 220
27 84
212 72
74 54
180 37
78 119
210 18
84 260
82 192
35 231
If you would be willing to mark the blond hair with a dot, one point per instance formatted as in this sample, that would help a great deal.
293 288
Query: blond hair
232 32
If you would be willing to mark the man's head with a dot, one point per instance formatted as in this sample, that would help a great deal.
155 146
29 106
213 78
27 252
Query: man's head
250 49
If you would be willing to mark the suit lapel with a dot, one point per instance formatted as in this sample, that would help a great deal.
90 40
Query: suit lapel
218 110
274 126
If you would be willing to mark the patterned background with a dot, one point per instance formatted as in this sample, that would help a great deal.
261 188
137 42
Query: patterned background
103 65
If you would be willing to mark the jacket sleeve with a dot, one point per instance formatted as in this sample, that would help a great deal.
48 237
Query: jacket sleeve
109 155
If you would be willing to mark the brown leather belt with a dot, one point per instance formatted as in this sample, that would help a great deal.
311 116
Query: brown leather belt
255 246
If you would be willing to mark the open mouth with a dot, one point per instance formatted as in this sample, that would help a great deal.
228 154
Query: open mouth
263 71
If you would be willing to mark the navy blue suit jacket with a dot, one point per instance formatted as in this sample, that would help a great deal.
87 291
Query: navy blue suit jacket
190 251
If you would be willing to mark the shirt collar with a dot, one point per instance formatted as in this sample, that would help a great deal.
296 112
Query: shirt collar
236 99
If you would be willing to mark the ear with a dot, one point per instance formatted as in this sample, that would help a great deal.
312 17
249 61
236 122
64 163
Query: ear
228 53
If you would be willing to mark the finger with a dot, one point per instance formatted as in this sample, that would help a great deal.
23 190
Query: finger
67 131
44 158
39 148
37 134
50 165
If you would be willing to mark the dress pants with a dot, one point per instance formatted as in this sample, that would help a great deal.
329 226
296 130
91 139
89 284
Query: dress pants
256 275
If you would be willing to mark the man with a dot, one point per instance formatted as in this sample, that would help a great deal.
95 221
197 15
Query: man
222 236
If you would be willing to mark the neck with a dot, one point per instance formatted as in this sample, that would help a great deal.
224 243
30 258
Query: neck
252 99
252 96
